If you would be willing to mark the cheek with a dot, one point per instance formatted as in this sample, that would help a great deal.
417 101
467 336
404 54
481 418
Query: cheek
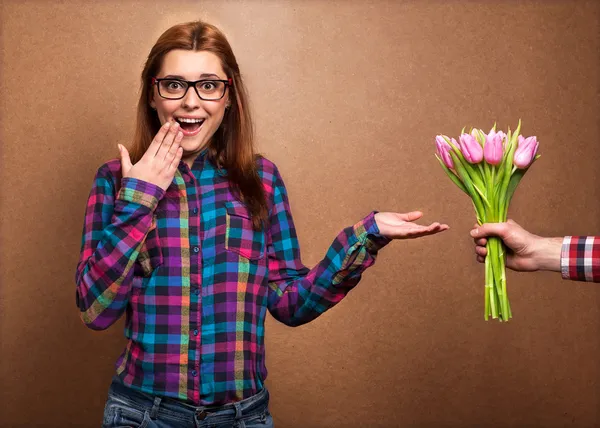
165 108
217 113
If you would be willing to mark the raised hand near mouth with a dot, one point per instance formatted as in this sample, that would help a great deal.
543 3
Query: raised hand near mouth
159 163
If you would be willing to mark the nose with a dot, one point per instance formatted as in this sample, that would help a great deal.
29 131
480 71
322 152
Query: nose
191 100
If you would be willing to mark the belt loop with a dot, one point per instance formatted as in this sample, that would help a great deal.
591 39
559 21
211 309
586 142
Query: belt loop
238 411
155 406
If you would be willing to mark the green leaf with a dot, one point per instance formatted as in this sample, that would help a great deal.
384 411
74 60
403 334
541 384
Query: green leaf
481 137
482 196
462 173
516 178
512 184
452 176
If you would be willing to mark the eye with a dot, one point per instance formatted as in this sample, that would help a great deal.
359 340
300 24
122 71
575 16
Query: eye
173 85
208 86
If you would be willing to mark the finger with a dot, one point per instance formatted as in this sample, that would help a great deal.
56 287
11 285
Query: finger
410 216
438 226
481 251
125 160
175 163
424 233
158 138
489 229
174 147
481 242
481 259
168 141
418 231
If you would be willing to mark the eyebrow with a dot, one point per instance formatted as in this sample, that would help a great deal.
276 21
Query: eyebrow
202 76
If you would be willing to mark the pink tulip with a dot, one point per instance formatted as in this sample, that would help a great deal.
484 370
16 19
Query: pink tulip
525 152
443 149
470 148
493 133
493 149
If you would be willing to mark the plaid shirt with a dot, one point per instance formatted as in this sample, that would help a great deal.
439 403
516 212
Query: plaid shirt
580 258
195 280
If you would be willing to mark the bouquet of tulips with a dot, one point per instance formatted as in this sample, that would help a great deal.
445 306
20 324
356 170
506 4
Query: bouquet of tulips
488 167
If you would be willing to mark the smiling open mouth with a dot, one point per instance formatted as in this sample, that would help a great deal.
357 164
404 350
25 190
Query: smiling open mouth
190 126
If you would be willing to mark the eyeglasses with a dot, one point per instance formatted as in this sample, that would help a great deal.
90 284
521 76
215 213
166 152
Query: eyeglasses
207 89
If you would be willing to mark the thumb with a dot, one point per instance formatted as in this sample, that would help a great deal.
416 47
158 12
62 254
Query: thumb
411 216
125 160
489 229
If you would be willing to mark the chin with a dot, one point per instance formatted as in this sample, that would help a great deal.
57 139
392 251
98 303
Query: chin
192 146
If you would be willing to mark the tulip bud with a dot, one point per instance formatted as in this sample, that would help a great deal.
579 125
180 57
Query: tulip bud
493 150
470 148
479 136
525 153
493 134
443 149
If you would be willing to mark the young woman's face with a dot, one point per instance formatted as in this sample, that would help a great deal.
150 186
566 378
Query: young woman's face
199 119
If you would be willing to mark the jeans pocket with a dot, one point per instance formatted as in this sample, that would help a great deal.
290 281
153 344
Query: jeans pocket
260 420
118 414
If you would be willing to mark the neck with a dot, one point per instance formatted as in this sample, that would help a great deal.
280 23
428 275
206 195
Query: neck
190 157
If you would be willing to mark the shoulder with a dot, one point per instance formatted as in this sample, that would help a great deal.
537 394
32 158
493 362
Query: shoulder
271 179
268 172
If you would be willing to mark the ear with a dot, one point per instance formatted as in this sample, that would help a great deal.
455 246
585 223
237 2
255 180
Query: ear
152 102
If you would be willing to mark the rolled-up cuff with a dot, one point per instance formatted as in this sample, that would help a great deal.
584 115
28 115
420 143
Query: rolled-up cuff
140 192
367 233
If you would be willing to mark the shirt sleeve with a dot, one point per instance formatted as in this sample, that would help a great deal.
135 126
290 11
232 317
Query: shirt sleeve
113 231
580 258
297 294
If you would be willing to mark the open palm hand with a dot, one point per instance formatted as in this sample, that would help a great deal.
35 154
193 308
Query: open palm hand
401 226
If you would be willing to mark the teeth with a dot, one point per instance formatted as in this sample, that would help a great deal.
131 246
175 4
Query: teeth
186 120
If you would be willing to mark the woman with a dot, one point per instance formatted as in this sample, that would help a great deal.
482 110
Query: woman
191 236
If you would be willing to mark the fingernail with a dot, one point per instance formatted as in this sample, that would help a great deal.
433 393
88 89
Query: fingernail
120 147
474 232
167 124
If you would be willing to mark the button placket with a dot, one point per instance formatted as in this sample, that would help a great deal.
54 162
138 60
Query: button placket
195 255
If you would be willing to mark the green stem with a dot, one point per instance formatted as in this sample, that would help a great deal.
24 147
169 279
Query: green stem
506 315
489 282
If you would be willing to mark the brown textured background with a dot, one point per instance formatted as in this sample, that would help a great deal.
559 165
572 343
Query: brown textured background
347 98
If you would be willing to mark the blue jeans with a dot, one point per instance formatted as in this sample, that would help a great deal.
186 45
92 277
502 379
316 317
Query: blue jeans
127 407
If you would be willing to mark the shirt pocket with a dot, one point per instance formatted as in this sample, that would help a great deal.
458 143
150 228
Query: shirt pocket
240 237
150 255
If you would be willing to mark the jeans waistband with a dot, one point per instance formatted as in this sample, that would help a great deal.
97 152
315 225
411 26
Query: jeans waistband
172 405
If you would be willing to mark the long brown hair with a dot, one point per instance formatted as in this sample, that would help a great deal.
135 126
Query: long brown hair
232 146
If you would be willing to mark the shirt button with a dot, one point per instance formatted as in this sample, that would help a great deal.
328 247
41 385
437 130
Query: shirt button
196 291
194 373
195 210
196 332
196 249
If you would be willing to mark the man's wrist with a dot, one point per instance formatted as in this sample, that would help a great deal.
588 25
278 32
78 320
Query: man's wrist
547 254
